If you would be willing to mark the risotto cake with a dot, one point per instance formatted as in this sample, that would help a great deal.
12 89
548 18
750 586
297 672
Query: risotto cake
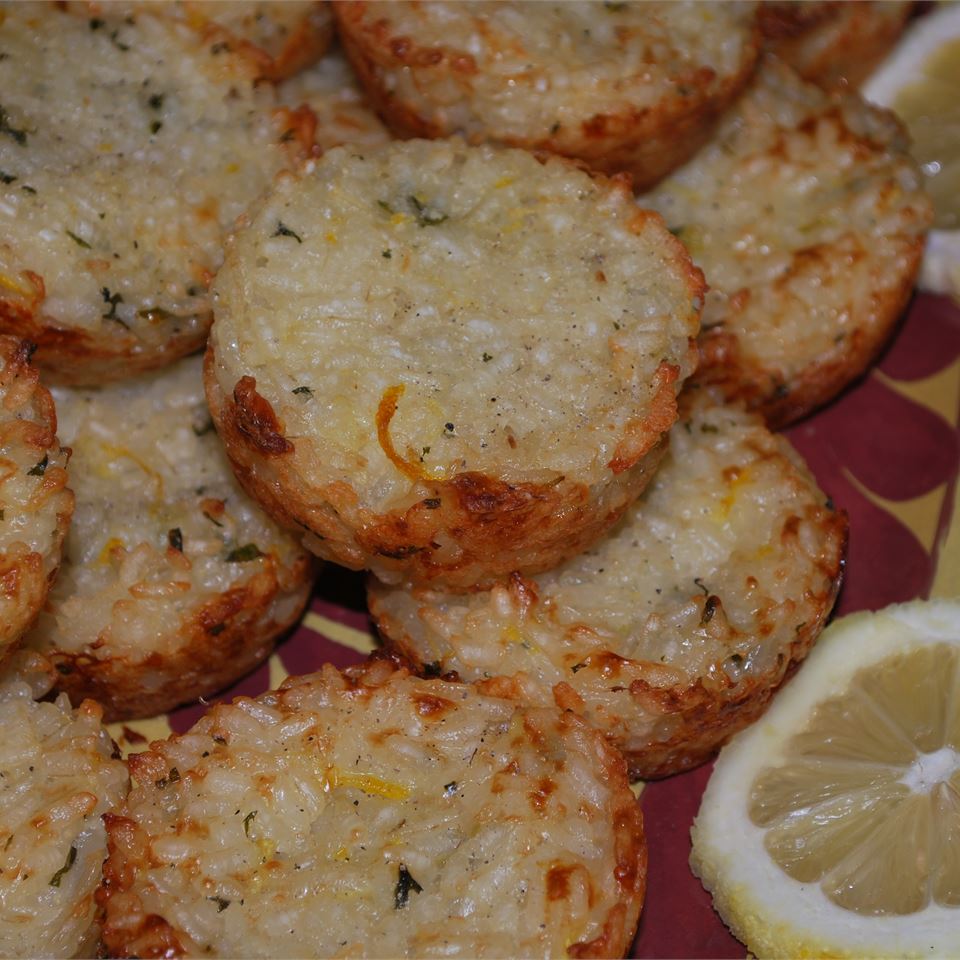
370 813
173 584
632 87
35 503
128 144
673 632
808 217
449 362
59 773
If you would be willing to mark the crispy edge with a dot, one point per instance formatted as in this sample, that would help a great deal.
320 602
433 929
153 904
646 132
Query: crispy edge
783 399
539 524
647 144
25 578
218 642
706 716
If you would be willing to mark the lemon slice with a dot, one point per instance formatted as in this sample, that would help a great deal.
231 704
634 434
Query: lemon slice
921 83
832 826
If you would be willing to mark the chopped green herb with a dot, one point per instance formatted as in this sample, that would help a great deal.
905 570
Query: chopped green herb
577 666
425 216
39 469
306 391
487 357
155 126
156 101
555 128
175 539
95 24
1 513
449 430
288 135
284 231
247 820
221 903
708 428
614 7
26 188
6 177
383 205
6 127
387 254
249 551
405 883
431 503
676 231
116 42
212 519
71 860
113 299
79 241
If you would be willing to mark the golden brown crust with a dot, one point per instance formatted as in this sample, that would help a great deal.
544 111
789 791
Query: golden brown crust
783 398
302 44
497 527
672 633
73 357
34 497
646 142
212 652
833 43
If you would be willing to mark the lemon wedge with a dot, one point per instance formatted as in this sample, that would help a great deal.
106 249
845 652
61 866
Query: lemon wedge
832 826
921 83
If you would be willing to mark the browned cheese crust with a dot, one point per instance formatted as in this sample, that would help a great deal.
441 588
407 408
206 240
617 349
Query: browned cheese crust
278 37
808 217
420 817
675 630
35 503
833 42
625 87
508 348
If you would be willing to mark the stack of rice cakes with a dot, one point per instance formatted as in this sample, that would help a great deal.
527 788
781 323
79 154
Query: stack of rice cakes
463 369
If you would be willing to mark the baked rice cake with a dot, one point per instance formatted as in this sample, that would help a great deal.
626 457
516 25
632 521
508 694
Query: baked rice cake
449 362
370 813
127 145
59 772
674 631
173 583
808 217
633 87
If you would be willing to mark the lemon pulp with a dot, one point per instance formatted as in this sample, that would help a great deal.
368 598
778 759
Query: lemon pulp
930 107
867 802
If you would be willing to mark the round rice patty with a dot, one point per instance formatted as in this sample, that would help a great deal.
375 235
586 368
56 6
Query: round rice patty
173 584
35 504
127 145
59 775
330 90
632 87
373 814
833 42
807 216
674 631
449 362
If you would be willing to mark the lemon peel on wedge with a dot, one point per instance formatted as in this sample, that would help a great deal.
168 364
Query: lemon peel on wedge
832 826
920 81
